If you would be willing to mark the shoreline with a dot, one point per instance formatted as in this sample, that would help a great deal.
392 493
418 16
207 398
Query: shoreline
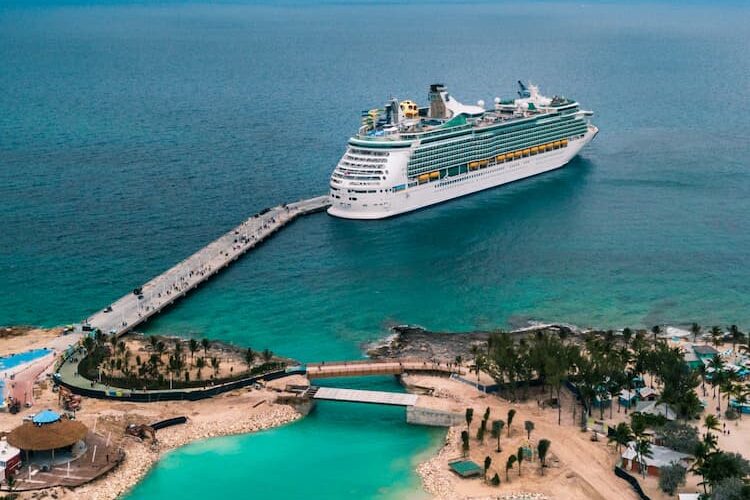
141 457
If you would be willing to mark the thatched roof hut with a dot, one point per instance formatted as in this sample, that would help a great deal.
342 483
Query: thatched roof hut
42 437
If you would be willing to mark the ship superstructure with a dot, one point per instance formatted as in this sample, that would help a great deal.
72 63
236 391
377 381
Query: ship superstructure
406 157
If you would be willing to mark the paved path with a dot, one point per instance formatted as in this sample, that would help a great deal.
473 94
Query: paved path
130 311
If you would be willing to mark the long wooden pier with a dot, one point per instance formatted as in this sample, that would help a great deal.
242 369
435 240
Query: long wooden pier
142 303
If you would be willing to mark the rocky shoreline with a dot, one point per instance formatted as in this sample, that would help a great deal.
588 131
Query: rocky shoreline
140 456
408 341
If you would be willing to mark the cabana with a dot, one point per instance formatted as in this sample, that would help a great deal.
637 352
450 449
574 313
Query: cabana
47 435
466 468
660 457
647 394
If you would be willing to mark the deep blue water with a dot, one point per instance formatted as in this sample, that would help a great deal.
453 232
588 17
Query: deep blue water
133 133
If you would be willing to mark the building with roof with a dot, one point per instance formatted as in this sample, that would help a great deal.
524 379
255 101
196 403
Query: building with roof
660 457
647 394
704 351
10 459
628 398
49 438
655 408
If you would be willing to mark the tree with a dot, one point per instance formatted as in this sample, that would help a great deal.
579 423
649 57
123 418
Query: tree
622 435
643 450
711 423
206 344
215 365
267 355
680 437
731 488
695 329
542 448
249 357
481 431
88 344
200 364
192 346
495 480
511 414
509 465
10 481
529 426
736 335
519 458
487 463
497 430
671 477
469 417
716 334
465 442
487 414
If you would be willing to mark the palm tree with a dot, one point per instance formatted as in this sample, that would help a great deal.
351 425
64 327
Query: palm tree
695 329
267 355
487 463
643 450
215 365
622 435
529 426
740 394
716 334
542 448
249 357
200 364
206 344
497 430
711 423
519 458
469 417
509 465
153 340
656 330
736 336
465 442
192 346
701 453
511 414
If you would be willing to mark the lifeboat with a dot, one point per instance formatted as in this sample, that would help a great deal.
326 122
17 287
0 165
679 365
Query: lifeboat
564 143
500 158
526 152
484 163
517 154
474 165
424 178
556 144
434 175
542 148
534 150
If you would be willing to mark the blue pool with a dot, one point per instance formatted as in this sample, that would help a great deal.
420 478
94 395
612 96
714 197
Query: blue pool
13 360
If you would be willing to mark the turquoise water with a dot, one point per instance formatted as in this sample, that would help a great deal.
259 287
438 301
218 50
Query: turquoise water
13 360
132 133
341 450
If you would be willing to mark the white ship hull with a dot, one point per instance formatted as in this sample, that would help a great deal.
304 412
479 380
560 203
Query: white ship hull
385 204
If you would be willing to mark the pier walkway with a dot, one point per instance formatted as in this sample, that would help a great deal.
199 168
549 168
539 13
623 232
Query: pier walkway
377 367
143 303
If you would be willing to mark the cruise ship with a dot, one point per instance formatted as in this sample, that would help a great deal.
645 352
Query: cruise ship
405 157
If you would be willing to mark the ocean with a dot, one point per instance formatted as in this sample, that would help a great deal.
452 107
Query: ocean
132 133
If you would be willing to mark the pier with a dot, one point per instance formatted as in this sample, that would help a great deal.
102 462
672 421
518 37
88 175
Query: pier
150 299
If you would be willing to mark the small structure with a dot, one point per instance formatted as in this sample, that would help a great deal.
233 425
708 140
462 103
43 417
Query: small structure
691 359
660 457
10 459
48 435
466 468
655 408
628 398
647 394
705 352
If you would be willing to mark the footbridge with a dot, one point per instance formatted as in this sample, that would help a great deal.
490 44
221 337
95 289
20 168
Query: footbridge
361 396
367 367
151 298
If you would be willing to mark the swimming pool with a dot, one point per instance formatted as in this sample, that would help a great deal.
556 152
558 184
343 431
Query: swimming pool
13 360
